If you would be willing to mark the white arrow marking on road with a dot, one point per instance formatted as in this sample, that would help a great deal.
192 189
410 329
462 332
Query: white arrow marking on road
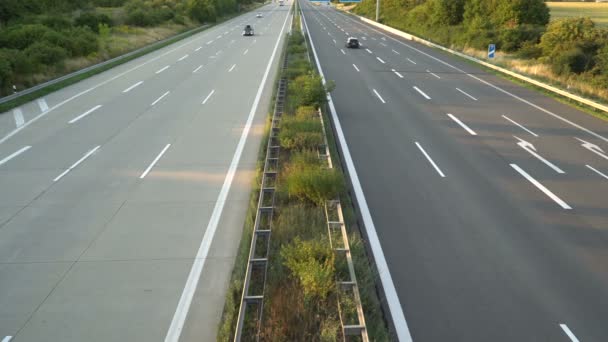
569 333
531 149
541 187
593 148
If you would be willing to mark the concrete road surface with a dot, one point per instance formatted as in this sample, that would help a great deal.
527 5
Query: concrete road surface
119 193
489 200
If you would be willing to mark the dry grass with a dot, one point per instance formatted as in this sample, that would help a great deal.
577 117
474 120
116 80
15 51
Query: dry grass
597 11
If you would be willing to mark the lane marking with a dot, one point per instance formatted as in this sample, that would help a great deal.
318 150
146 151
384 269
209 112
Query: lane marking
334 41
392 299
217 53
232 68
374 38
433 74
43 105
411 61
468 95
7 338
162 69
383 44
368 50
344 53
218 37
430 160
541 187
14 154
160 98
197 69
397 73
397 53
471 132
546 111
133 87
568 332
528 147
244 53
588 166
422 93
182 58
380 97
198 48
155 161
87 155
593 148
520 126
183 306
209 42
354 66
84 114
208 96
18 116
380 59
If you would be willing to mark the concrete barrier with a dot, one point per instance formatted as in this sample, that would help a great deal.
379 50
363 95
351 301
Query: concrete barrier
550 88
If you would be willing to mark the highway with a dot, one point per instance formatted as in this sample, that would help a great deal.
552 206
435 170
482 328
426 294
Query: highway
486 201
123 197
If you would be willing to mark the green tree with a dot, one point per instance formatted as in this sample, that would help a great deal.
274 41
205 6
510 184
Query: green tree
201 10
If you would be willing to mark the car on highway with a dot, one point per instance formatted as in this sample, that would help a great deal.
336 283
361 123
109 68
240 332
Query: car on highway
259 15
248 30
281 3
352 43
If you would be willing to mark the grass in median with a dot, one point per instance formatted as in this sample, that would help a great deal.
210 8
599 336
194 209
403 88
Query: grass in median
301 295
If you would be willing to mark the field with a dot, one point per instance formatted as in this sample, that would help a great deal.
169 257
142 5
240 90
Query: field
598 12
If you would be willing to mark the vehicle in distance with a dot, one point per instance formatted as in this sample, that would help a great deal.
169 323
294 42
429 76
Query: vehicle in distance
281 2
248 30
259 15
352 43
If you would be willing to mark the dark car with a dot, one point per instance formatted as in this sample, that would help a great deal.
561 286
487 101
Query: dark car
352 43
248 30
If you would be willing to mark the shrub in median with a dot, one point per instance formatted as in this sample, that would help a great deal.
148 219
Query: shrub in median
314 184
300 134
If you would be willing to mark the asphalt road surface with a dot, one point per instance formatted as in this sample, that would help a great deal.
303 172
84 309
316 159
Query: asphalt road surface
489 200
119 193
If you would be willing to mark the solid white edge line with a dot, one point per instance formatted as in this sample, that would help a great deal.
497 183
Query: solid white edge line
133 87
84 114
87 155
232 68
208 96
380 97
568 332
430 160
392 299
520 126
541 187
162 69
466 94
354 66
14 154
471 132
183 306
154 161
546 111
380 59
588 166
160 98
422 93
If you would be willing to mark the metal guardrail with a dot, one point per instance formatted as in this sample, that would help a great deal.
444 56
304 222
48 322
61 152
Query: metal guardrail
127 55
337 228
252 298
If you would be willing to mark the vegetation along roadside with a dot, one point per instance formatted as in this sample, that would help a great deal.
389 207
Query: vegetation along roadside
302 299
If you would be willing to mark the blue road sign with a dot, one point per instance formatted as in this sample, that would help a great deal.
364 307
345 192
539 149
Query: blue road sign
492 51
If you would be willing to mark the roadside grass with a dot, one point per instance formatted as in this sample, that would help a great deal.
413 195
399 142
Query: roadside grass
597 11
301 294
127 39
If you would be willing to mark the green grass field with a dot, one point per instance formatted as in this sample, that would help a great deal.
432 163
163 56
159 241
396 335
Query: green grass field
598 12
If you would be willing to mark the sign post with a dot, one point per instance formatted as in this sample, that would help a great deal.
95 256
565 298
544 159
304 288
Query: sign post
492 51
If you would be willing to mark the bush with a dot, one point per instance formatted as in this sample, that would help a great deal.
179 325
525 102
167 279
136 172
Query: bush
315 184
6 73
310 91
19 62
56 22
44 53
92 21
570 60
202 10
530 50
300 134
312 263
22 36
